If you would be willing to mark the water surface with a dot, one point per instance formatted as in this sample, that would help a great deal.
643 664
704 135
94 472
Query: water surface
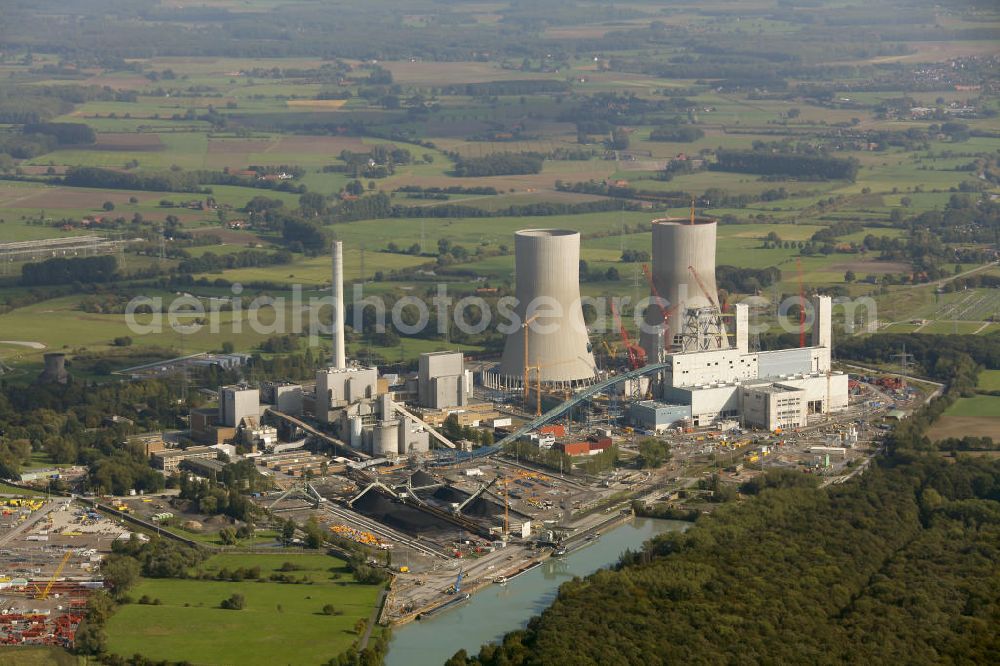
496 610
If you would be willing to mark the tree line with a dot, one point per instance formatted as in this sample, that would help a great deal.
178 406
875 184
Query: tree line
785 164
67 270
499 164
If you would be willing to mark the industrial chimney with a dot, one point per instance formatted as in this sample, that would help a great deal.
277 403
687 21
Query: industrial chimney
339 352
683 257
547 272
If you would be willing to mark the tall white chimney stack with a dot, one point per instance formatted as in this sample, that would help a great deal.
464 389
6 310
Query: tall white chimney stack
339 351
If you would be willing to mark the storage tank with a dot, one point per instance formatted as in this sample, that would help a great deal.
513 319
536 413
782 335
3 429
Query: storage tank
354 423
677 244
385 438
547 274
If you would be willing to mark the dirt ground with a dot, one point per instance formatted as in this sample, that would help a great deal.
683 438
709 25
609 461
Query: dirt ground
965 426
73 197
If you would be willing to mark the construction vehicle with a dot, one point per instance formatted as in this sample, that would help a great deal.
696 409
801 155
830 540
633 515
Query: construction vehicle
456 588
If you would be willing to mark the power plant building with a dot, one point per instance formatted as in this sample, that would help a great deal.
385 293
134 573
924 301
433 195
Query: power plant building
337 388
547 275
285 396
237 403
762 388
443 381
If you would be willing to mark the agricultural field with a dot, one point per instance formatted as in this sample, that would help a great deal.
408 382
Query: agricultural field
978 416
989 380
591 118
279 618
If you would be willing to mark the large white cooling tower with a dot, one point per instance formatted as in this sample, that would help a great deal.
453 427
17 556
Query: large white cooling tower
678 244
547 265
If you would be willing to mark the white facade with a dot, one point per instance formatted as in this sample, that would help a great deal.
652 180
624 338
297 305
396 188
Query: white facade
443 381
773 406
236 403
716 383
338 388
286 397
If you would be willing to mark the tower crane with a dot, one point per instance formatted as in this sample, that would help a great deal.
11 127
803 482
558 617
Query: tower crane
524 327
802 305
636 354
664 312
704 289
44 594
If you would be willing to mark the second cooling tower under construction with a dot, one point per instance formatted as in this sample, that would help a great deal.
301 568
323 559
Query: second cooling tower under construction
547 273
684 276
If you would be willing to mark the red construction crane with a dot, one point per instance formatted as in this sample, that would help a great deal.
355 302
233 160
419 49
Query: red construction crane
636 354
664 312
704 289
802 305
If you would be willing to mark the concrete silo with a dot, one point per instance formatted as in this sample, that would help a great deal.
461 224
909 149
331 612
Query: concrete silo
547 273
680 244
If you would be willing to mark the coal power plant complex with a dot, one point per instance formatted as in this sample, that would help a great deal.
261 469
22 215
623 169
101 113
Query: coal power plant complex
475 469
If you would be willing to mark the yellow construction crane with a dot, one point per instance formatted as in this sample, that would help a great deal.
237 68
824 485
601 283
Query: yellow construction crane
524 327
44 594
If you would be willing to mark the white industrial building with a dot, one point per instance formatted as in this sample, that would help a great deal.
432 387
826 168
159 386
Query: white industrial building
442 380
770 389
710 368
237 403
348 396
338 387
285 396
377 426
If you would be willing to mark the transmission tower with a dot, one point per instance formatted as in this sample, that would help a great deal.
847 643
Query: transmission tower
904 360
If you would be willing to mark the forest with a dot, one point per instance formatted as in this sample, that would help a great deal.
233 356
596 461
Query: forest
789 164
67 270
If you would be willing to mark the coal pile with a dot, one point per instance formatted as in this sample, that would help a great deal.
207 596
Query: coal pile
401 517
446 494
482 508
421 479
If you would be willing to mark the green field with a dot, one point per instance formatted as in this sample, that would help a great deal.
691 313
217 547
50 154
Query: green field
227 112
980 405
282 622
989 380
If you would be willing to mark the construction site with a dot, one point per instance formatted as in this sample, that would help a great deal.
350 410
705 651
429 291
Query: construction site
50 554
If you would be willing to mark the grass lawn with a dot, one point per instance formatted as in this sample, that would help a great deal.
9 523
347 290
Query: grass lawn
989 380
40 655
14 490
980 405
281 623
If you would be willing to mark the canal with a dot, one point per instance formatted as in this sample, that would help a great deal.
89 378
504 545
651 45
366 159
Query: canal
496 610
